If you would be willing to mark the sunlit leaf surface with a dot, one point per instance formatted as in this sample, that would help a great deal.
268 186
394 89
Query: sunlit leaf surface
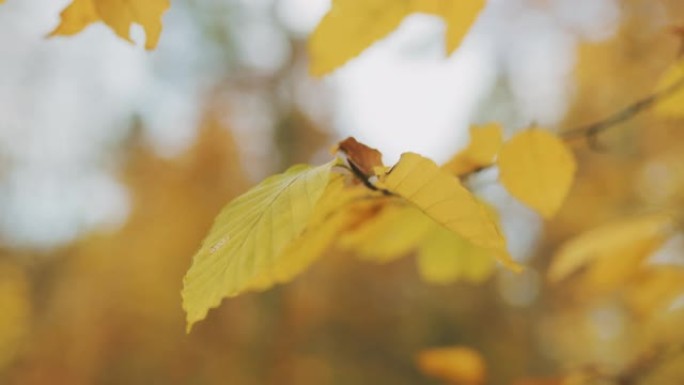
442 197
249 237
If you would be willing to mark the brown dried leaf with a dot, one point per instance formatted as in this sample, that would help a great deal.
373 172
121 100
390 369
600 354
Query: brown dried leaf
365 159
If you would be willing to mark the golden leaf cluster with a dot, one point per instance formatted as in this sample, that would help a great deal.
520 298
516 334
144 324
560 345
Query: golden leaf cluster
277 229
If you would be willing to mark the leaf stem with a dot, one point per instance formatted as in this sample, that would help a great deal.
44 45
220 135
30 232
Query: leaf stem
364 179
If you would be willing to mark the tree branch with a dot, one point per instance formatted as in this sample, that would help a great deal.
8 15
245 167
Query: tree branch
591 131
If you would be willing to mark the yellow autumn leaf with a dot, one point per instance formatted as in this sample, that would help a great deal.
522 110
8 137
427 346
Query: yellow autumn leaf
673 105
442 197
459 16
485 142
338 208
613 251
249 236
350 27
392 233
444 257
455 365
537 168
119 15
396 230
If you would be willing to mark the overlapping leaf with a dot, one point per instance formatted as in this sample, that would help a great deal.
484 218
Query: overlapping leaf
245 248
15 302
444 257
537 168
441 196
340 207
392 233
119 15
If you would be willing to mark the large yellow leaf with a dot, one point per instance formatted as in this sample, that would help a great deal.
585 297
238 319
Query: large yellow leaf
340 207
614 251
459 16
673 105
442 197
117 14
350 27
444 258
485 142
249 237
537 168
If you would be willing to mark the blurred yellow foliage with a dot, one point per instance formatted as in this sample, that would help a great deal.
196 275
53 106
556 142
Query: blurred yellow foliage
673 105
457 365
351 26
458 15
537 168
15 303
119 15
613 252
485 142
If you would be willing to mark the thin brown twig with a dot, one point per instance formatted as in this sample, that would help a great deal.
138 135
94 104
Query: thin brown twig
359 175
636 371
590 132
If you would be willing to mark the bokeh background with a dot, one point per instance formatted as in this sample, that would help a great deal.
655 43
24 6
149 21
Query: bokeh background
114 162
